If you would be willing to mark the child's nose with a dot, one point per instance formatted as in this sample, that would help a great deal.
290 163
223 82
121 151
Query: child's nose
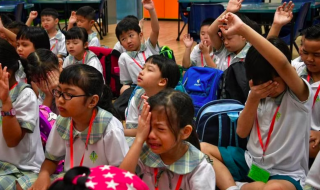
151 134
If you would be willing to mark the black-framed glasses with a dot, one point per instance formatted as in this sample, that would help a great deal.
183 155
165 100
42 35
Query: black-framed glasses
65 95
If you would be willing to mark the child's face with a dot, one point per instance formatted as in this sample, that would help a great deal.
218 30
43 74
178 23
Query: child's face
150 76
75 47
310 55
204 36
84 23
24 48
131 40
48 22
234 43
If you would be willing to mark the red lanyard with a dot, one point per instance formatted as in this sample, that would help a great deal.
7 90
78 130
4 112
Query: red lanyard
12 87
229 59
155 180
264 148
54 45
317 92
88 137
144 57
83 58
202 59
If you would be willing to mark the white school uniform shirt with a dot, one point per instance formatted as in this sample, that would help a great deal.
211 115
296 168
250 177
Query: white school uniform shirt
107 145
298 64
313 178
225 58
288 149
93 39
195 167
195 57
119 47
58 44
28 154
129 70
90 59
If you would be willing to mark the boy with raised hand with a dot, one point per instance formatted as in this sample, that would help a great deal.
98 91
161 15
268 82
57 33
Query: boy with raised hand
85 18
276 116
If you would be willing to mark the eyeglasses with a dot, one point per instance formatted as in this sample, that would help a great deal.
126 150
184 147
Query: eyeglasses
65 95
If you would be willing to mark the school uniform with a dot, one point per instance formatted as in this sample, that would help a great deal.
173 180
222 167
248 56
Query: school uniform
119 47
28 155
58 44
313 178
287 154
225 58
298 64
20 75
93 39
194 167
132 62
197 58
106 146
89 59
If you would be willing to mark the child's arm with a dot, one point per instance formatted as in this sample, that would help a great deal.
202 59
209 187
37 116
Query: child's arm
130 162
272 54
33 15
43 182
148 4
188 41
282 16
206 54
10 35
233 6
72 20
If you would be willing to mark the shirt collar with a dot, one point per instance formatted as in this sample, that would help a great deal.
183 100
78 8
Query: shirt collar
304 75
186 164
100 124
89 55
91 36
133 54
278 99
58 35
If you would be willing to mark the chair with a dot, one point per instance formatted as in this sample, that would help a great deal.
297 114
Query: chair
18 10
200 12
252 1
101 20
183 14
285 33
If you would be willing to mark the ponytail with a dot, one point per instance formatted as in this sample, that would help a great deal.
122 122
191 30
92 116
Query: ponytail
105 101
193 139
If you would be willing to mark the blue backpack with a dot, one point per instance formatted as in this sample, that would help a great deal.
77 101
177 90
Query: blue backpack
202 84
216 123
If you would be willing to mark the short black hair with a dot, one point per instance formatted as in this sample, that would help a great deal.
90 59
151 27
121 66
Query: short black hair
6 20
312 32
8 56
254 25
38 36
87 12
207 22
132 18
50 12
16 26
125 25
258 69
77 33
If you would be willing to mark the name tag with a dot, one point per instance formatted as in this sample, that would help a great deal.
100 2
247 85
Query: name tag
258 174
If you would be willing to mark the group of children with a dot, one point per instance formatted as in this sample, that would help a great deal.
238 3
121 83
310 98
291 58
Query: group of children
280 118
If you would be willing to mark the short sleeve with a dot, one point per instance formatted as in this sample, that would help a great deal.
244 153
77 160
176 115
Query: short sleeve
303 105
194 56
62 46
55 147
124 72
132 114
115 143
95 62
203 177
94 42
27 109
154 50
66 62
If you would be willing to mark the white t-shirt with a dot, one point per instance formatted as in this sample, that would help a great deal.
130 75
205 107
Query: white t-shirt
58 44
28 154
119 47
298 64
107 144
288 149
195 57
313 178
93 39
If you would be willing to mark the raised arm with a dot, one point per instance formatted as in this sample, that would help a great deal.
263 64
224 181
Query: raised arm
72 20
273 55
188 42
33 15
10 35
148 4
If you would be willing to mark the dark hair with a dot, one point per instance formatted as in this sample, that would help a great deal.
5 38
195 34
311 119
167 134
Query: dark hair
179 110
258 69
207 22
16 26
77 33
255 26
87 12
37 36
5 19
125 25
40 62
132 18
8 56
168 68
50 12
90 80
312 32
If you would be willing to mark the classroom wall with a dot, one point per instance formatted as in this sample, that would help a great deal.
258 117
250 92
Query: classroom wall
131 7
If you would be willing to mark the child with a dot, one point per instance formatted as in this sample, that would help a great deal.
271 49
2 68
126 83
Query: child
84 17
202 54
130 36
232 48
158 73
77 46
313 178
94 179
20 142
81 100
276 118
168 160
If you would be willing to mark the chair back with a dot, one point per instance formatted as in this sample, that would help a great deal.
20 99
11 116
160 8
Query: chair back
183 11
253 1
298 1
200 12
18 10
301 19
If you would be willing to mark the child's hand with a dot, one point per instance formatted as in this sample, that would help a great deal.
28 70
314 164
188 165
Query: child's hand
232 24
204 48
33 15
144 123
141 23
73 17
234 6
43 86
262 91
148 4
314 137
4 84
42 183
1 26
52 80
283 14
187 40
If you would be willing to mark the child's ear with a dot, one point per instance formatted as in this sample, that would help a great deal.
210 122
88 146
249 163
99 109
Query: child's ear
56 21
93 101
163 82
141 35
85 45
91 22
186 132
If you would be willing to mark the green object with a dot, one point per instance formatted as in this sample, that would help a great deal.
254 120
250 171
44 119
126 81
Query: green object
167 52
93 156
258 174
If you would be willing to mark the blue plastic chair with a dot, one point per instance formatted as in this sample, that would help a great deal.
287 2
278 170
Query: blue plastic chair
183 15
200 12
18 11
101 21
285 33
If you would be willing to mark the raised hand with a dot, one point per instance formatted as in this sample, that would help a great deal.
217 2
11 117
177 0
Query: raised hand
187 40
4 84
283 14
33 15
234 6
73 17
231 24
148 4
